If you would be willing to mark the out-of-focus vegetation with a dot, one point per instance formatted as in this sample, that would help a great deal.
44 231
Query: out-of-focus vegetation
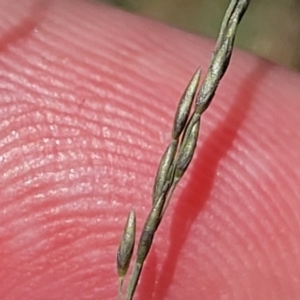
270 29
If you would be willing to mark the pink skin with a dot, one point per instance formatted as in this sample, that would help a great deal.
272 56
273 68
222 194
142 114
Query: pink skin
88 94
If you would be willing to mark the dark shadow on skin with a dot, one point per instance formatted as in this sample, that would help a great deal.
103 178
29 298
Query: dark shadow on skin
25 26
183 216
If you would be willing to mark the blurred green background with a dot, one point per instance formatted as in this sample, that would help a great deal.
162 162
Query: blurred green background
271 28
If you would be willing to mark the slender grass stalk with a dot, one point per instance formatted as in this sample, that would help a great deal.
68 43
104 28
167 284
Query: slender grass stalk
180 151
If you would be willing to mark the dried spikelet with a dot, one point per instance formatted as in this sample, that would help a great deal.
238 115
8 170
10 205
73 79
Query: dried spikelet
125 249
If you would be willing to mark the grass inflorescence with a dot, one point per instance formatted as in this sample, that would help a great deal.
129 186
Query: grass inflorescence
180 150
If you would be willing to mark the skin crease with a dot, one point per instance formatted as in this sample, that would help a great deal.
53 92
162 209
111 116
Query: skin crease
88 94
